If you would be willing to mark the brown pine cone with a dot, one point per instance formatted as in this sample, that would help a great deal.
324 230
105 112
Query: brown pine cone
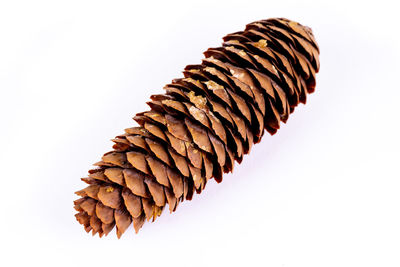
201 125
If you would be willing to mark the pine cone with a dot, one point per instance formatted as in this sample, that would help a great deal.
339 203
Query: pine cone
201 125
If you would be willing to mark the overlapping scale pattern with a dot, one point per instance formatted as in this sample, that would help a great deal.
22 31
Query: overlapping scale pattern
201 125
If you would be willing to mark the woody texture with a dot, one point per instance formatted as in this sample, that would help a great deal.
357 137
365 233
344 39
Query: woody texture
201 125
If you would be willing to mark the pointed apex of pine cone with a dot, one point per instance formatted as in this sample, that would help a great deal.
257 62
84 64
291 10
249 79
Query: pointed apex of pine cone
201 124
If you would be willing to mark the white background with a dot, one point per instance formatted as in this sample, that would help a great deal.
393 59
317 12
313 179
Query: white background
324 191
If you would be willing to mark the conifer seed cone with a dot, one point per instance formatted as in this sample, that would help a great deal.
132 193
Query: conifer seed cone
201 124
